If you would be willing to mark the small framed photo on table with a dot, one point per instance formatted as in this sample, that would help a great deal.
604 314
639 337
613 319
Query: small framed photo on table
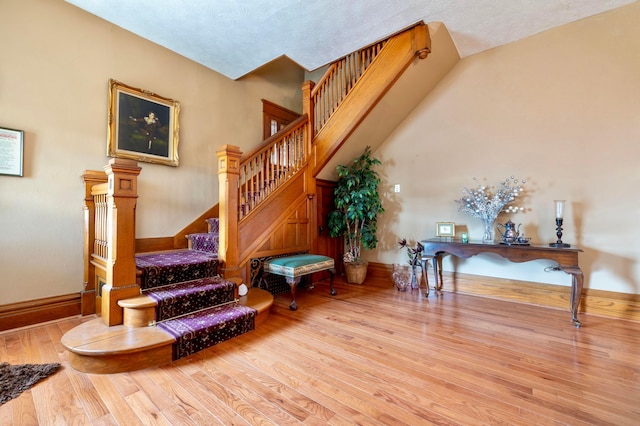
445 229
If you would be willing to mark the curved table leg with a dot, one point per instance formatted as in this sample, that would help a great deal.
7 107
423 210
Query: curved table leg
576 291
293 283
425 276
437 269
332 271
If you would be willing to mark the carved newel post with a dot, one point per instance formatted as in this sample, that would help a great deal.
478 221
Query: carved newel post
228 176
122 196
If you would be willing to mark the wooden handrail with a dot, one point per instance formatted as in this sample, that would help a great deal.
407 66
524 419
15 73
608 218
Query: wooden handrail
336 115
269 141
338 80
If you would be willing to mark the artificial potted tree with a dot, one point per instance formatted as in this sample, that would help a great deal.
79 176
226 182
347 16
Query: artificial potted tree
355 218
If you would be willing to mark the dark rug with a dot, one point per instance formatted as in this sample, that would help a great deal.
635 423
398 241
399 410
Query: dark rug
15 379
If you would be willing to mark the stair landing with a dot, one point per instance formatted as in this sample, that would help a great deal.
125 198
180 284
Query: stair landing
94 347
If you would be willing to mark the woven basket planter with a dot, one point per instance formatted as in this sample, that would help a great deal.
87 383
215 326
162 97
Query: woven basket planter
356 272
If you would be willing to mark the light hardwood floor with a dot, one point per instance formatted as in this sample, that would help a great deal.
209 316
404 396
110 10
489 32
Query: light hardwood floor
370 355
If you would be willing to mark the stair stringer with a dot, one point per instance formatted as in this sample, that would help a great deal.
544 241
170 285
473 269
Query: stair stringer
281 224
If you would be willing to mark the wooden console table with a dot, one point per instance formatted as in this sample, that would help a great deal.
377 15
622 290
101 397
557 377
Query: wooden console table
566 258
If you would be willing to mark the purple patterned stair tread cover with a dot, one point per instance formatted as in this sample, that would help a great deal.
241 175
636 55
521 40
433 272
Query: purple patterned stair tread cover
189 296
172 267
175 257
200 330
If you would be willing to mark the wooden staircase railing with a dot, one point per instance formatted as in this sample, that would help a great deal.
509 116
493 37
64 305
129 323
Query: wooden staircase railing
352 87
270 165
109 239
332 109
246 181
285 165
337 82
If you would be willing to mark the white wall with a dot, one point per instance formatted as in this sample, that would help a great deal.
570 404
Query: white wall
56 63
560 109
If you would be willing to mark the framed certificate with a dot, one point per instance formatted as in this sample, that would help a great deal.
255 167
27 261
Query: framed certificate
11 151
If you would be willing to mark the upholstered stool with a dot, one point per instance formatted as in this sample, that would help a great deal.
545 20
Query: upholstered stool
295 267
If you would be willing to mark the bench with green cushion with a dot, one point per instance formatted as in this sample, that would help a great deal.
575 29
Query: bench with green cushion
292 268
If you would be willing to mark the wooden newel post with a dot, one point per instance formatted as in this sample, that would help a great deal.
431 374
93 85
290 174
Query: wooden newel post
90 287
122 197
228 177
308 108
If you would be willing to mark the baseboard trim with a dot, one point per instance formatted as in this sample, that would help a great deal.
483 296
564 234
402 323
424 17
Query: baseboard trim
32 312
379 270
596 302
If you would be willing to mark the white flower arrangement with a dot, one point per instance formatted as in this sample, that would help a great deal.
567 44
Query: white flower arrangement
482 203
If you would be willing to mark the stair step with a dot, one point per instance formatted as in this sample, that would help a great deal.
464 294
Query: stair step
94 347
204 242
170 267
260 300
139 311
200 330
213 223
190 296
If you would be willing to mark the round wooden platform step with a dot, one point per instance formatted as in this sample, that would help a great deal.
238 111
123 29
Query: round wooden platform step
260 300
139 311
94 347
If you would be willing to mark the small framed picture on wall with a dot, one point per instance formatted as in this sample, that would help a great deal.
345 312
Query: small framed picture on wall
11 151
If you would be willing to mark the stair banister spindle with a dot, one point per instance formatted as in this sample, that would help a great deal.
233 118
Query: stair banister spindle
251 185
260 177
92 179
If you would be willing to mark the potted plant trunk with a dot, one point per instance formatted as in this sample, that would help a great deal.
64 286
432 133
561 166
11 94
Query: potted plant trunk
355 218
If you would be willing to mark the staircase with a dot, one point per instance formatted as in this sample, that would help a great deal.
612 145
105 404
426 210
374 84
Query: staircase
160 306
184 307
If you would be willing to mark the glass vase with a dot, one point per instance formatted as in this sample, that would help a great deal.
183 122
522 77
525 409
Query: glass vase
489 229
401 276
416 277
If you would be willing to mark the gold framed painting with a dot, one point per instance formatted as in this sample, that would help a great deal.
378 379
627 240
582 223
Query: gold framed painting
143 126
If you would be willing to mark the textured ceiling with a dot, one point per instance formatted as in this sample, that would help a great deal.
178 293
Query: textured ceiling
235 37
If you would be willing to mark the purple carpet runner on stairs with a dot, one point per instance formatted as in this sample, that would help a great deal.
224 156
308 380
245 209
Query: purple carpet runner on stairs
175 266
189 296
206 241
193 305
198 331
